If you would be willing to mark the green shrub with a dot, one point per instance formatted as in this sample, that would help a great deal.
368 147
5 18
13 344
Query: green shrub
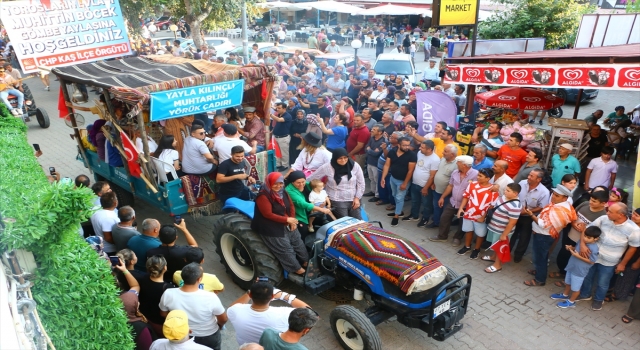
77 299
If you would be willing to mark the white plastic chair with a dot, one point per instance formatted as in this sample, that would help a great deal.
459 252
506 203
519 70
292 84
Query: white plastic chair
368 41
161 175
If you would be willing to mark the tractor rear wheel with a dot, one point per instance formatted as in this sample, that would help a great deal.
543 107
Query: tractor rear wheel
243 253
353 329
124 197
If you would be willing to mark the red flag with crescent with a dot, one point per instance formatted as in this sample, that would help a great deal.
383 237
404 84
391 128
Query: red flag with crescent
132 155
503 252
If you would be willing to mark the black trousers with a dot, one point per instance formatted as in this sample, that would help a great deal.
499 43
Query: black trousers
213 341
448 215
522 234
563 255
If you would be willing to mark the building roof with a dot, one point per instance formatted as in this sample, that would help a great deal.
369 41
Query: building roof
606 54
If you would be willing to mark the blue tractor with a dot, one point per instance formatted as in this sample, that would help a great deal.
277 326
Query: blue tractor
435 303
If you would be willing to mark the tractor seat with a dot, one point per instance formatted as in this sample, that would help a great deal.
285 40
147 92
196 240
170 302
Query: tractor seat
12 97
405 264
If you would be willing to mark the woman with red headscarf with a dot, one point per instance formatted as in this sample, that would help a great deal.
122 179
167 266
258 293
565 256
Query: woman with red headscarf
275 220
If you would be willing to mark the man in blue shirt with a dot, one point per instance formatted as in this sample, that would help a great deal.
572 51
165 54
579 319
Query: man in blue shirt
147 240
480 159
563 163
281 134
432 74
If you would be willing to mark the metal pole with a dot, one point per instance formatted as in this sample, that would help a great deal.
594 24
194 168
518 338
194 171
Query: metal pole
577 108
245 37
471 88
356 65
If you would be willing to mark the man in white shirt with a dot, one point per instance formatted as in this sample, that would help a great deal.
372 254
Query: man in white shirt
601 171
176 331
334 86
196 158
432 74
223 145
203 308
104 219
448 89
423 176
250 320
281 36
332 48
500 179
153 29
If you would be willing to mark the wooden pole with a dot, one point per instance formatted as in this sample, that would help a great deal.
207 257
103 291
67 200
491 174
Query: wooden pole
145 147
124 155
72 117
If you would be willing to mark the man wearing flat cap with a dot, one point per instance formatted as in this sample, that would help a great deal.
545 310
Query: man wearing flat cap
547 227
564 163
223 145
253 129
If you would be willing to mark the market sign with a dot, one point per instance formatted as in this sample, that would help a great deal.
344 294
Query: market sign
54 33
197 99
434 106
458 12
613 76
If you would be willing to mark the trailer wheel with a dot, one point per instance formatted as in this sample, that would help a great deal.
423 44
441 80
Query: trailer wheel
452 275
353 329
124 197
243 253
42 117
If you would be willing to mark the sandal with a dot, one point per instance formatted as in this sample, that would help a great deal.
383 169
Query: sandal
534 283
610 298
556 275
560 284
532 272
627 319
390 207
381 203
488 258
492 269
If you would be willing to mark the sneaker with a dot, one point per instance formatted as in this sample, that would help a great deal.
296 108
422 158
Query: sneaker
409 218
432 225
20 112
566 304
422 223
581 298
474 254
14 112
369 194
311 229
394 222
559 296
437 238
540 122
531 121
596 305
46 88
373 199
394 214
456 242
464 250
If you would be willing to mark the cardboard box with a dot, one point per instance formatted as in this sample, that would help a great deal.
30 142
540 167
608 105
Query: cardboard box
568 123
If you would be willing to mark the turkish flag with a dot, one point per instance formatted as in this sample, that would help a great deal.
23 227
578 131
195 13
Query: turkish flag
132 155
503 252
275 147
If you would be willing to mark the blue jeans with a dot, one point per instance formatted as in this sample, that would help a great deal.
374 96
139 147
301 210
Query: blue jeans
541 245
418 200
259 148
437 211
398 194
601 275
4 95
385 194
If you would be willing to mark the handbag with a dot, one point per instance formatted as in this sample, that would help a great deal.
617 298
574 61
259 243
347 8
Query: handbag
491 211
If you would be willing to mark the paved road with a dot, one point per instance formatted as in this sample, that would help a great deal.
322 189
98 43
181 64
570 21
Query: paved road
503 313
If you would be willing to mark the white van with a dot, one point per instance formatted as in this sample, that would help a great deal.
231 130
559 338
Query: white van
395 62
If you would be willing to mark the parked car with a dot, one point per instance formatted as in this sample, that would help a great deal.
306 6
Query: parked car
571 95
336 59
163 22
393 62
164 40
221 44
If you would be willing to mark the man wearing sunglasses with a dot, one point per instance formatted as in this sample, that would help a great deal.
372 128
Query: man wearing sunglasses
196 157
251 319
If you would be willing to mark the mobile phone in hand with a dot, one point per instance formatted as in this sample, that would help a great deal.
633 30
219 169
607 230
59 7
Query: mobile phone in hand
36 147
52 170
177 219
115 261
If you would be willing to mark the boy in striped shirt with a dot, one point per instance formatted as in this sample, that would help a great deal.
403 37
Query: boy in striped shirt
503 221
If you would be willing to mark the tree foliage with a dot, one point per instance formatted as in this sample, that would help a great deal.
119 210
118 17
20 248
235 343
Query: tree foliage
633 6
555 20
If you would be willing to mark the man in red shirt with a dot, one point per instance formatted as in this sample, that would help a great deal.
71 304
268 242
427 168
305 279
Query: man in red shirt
358 138
513 154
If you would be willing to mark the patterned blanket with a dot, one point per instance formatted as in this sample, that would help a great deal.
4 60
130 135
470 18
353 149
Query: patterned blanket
259 164
399 261
199 192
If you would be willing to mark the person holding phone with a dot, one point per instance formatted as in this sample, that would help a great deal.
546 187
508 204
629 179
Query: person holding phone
173 253
251 319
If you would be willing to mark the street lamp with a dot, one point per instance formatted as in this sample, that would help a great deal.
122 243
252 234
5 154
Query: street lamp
356 44
174 29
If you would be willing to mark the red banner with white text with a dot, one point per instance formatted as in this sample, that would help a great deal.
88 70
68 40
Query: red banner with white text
581 76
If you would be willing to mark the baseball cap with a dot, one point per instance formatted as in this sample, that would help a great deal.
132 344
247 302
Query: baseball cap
176 325
229 129
561 190
567 146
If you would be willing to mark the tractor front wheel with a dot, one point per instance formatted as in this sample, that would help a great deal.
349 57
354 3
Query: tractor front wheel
353 329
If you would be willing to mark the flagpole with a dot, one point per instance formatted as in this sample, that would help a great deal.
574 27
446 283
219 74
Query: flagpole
471 88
